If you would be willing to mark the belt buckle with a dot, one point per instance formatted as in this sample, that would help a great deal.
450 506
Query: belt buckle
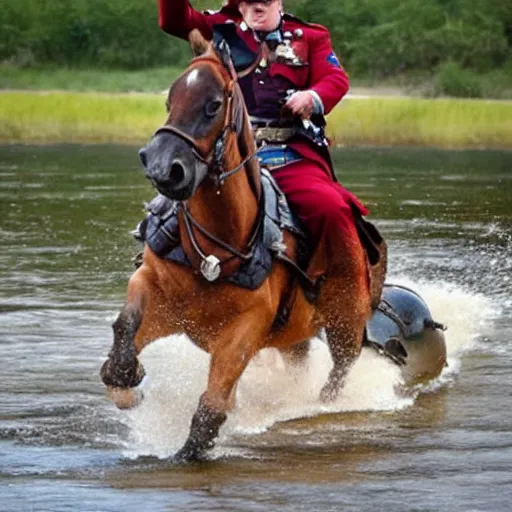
269 134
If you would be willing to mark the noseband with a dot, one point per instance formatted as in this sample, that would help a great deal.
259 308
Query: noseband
215 157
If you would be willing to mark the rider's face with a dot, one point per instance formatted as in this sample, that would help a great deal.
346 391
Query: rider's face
264 15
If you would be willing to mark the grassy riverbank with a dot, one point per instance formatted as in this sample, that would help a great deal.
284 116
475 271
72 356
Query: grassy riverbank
444 123
47 117
495 84
87 80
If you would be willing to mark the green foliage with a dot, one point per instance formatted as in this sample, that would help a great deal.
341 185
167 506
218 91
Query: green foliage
373 38
113 33
452 80
384 37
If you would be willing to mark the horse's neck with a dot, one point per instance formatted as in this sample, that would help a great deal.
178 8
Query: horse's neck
228 211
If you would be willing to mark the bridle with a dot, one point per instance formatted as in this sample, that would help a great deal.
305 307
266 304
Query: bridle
214 159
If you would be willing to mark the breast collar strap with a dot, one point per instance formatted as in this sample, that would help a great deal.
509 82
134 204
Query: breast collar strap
191 222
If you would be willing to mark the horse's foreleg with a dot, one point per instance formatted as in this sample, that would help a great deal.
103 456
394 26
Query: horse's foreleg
231 353
122 371
297 354
345 303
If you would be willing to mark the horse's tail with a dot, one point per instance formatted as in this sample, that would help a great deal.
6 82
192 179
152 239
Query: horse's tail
376 252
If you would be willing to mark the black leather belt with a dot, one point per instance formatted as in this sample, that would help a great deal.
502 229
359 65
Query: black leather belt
273 135
264 122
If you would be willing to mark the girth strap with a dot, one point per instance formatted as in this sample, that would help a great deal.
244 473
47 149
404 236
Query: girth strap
311 286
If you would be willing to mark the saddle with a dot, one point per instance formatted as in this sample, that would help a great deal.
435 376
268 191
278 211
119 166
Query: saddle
160 231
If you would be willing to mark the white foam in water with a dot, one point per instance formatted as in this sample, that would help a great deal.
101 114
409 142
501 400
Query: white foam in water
177 373
271 390
467 315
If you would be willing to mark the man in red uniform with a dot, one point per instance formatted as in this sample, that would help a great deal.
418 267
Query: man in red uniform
299 75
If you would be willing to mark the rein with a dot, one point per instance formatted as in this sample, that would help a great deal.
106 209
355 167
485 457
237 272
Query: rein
211 265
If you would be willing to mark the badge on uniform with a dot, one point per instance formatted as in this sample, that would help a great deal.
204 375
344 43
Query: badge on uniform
293 50
332 59
285 54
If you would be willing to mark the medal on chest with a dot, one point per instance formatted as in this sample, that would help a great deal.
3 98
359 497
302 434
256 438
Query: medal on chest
292 51
285 48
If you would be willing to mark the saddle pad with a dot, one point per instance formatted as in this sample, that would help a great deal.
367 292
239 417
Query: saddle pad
160 233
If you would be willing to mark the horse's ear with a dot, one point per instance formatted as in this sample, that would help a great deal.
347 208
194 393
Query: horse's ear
197 42
223 51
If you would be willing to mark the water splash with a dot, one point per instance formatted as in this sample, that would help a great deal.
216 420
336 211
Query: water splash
272 391
469 316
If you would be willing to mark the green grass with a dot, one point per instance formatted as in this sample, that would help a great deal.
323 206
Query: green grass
79 117
495 84
47 117
446 123
87 80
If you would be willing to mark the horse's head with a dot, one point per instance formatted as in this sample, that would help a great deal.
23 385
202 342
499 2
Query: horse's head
205 107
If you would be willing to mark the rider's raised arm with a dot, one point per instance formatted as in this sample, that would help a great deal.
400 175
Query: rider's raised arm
327 78
178 17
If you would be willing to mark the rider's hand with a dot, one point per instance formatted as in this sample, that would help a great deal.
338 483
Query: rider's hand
301 103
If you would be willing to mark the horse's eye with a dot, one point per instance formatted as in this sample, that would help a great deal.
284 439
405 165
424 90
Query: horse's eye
167 106
212 107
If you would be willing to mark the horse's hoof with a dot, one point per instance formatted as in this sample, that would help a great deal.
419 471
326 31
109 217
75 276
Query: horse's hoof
125 398
192 452
127 375
187 454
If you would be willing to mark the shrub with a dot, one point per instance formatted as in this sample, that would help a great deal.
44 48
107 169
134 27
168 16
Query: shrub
452 80
99 33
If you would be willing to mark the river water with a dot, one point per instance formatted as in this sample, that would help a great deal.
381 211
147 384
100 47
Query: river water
65 260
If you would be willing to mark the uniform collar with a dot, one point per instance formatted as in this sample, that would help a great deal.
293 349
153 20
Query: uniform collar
273 37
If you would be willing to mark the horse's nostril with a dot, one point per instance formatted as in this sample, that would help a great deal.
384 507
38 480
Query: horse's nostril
177 174
143 157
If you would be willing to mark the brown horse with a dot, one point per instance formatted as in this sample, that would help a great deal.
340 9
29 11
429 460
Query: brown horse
203 157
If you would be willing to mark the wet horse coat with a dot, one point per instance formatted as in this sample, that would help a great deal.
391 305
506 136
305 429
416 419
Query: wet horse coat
232 324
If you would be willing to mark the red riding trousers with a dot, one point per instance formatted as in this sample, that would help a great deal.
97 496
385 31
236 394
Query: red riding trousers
322 204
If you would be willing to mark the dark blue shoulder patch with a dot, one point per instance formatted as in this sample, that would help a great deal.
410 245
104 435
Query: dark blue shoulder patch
332 59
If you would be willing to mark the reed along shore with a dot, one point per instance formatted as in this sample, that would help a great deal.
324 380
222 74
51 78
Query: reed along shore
50 117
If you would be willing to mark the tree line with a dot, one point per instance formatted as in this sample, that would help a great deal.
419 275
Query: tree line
373 38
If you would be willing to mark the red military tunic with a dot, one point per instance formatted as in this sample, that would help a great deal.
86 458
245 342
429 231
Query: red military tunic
322 203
